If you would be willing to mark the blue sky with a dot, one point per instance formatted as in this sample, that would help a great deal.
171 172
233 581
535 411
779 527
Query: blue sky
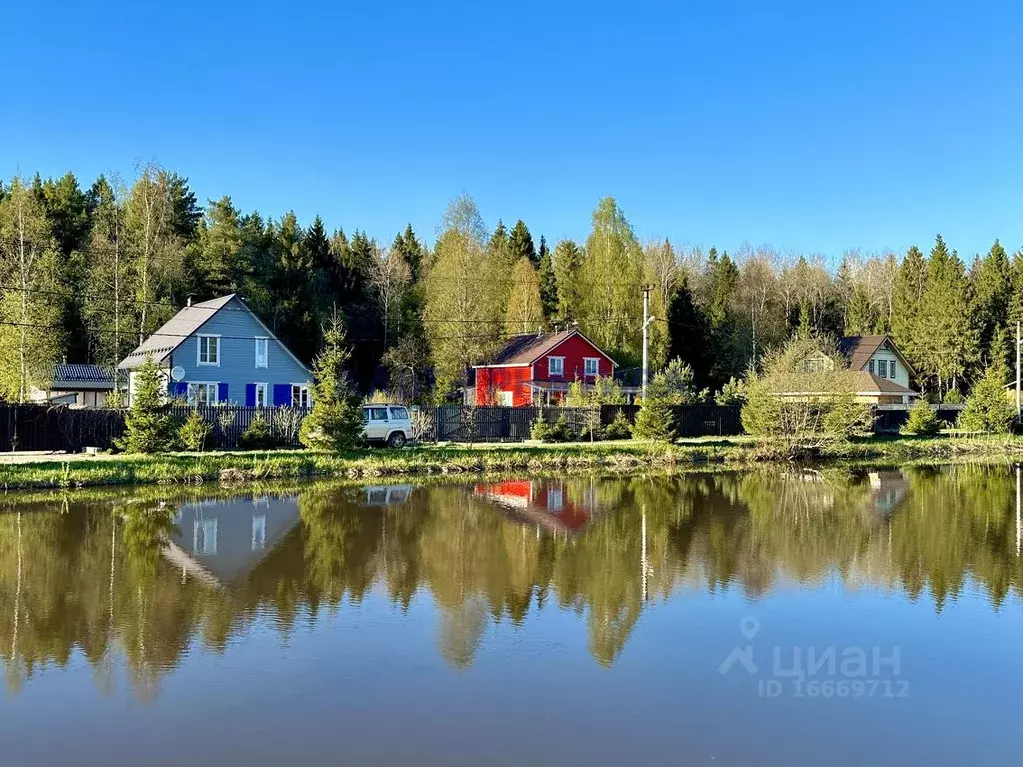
814 127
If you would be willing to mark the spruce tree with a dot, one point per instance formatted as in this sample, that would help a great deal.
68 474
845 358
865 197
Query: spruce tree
567 259
521 243
860 318
991 279
149 427
908 291
335 423
214 257
988 408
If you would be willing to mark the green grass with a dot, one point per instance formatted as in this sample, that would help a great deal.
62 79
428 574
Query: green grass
624 456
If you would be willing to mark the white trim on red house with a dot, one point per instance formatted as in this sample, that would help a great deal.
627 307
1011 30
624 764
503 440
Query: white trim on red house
600 351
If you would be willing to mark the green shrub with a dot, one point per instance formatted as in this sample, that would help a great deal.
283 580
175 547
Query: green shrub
987 408
194 432
732 393
922 420
619 428
149 427
558 431
952 397
257 436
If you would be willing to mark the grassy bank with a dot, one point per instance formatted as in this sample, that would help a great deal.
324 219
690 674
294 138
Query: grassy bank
628 456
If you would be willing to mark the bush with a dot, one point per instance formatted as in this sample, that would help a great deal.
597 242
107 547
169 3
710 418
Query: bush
952 397
987 408
655 420
257 436
732 393
149 427
194 432
672 386
922 421
558 431
619 428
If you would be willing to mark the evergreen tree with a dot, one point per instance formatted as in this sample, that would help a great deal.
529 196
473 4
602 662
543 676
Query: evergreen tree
988 408
991 278
567 259
906 305
521 244
335 423
689 335
548 283
860 319
948 335
411 251
149 427
215 254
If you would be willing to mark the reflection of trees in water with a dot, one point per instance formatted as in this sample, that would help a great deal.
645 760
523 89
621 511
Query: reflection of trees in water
94 580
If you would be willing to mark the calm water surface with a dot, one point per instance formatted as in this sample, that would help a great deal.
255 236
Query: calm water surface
729 619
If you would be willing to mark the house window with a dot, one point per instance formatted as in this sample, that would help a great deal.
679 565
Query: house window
591 366
882 368
260 395
556 366
202 393
870 367
555 499
505 399
891 368
209 350
204 536
262 352
299 395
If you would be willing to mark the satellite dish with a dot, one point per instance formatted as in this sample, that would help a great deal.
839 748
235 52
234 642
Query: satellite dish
177 372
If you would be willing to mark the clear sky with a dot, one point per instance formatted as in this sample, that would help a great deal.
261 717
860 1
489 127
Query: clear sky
812 126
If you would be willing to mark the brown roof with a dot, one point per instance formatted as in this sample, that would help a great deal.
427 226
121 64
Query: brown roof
859 350
524 349
858 381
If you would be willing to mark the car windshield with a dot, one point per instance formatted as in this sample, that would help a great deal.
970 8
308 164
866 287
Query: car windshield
399 413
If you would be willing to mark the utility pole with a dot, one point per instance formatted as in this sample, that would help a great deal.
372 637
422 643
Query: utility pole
647 319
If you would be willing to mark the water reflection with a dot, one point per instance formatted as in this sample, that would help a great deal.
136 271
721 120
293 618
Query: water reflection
132 582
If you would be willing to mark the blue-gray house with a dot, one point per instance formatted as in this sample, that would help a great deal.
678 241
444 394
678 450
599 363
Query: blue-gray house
218 351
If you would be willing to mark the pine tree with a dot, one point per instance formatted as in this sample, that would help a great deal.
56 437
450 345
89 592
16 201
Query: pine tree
689 334
335 423
860 319
991 278
988 409
214 259
411 251
521 244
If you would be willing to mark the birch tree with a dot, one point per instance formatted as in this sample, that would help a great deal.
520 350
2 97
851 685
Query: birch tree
30 339
390 279
525 310
109 309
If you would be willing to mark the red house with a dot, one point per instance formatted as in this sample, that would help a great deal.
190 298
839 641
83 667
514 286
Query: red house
538 368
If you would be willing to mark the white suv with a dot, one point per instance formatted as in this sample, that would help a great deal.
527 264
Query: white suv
389 424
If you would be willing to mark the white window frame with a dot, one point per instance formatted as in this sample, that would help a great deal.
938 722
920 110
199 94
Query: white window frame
561 366
505 399
596 366
198 350
891 369
303 393
261 388
871 367
265 342
193 393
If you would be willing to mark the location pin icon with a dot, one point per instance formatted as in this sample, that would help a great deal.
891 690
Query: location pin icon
749 626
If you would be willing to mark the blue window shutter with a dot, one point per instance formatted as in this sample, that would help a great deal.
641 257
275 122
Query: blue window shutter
282 394
222 392
250 395
179 389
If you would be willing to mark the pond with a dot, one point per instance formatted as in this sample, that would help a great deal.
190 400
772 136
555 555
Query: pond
772 618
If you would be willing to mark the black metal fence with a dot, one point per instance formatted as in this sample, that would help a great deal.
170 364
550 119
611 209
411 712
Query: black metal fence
461 423
888 420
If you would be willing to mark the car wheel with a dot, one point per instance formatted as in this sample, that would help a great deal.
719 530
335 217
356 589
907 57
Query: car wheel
396 440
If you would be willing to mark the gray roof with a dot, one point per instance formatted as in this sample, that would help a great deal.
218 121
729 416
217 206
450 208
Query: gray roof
175 331
66 377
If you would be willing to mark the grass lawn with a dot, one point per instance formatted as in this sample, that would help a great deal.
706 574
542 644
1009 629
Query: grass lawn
455 458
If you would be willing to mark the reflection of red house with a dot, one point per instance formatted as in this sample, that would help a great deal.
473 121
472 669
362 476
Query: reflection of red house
542 503
538 368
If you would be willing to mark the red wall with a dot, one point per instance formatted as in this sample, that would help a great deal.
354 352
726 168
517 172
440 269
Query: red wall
575 349
491 380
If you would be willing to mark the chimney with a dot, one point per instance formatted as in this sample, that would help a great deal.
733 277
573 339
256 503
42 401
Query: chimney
188 301
63 360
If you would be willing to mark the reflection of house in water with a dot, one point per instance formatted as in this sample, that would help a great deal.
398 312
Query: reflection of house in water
387 495
544 503
220 541
887 489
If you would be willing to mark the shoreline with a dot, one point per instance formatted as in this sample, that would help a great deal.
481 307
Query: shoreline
632 456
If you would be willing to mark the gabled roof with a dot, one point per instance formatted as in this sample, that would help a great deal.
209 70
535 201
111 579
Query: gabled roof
859 350
857 381
185 324
527 348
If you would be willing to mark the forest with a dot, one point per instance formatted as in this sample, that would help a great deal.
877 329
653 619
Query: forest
86 271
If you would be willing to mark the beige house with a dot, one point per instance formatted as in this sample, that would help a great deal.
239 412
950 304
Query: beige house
878 373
